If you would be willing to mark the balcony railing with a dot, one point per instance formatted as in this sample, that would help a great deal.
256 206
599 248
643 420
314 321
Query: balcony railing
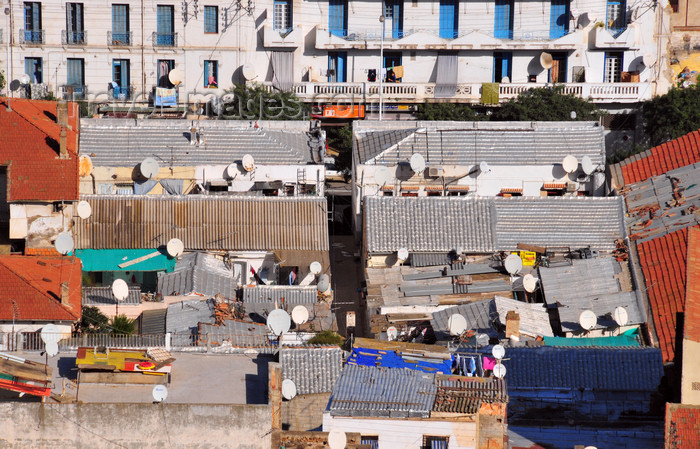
35 91
392 35
164 40
31 37
120 39
70 37
73 92
122 93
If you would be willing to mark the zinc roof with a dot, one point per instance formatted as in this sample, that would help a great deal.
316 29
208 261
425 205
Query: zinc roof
185 316
201 273
534 319
99 296
261 299
120 143
481 316
313 369
236 333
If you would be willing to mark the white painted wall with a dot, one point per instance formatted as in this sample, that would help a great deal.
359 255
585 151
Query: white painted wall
241 181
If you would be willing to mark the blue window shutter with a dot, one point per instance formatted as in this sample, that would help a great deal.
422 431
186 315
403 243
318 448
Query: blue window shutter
559 19
503 25
449 14
206 73
337 17
396 8
342 63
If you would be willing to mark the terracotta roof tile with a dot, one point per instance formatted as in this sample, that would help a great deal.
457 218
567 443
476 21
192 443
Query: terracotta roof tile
30 288
682 426
668 156
692 292
30 150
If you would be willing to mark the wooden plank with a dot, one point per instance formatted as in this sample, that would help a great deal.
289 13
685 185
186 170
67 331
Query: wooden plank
27 370
534 248
139 259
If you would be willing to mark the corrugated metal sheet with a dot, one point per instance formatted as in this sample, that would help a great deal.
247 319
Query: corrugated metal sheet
153 321
603 306
457 394
534 320
123 143
481 316
100 296
185 316
261 300
430 259
205 222
181 280
312 369
234 333
469 143
598 369
383 392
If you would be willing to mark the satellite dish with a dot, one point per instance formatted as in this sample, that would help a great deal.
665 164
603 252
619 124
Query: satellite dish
84 210
499 371
176 76
649 59
324 283
15 85
149 167
175 247
382 175
546 60
417 163
456 324
248 162
587 165
529 283
570 164
587 320
391 333
315 268
289 389
84 165
337 439
50 334
24 79
278 322
498 352
620 316
248 72
232 170
51 349
513 264
120 289
402 254
160 392
300 315
64 243
484 167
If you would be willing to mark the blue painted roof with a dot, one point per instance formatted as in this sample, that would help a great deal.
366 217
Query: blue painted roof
627 339
395 359
604 369
109 259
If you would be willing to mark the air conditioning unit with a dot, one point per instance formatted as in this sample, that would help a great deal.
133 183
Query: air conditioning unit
435 172
571 186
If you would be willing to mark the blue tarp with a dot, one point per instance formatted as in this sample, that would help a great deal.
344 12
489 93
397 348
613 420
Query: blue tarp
109 260
392 359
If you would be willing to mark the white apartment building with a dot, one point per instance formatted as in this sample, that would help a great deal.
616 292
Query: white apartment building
338 50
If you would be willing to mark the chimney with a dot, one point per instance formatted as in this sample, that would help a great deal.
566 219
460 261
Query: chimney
63 146
65 294
62 113
512 325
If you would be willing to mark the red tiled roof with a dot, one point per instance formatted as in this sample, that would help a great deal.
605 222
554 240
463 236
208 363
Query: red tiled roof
41 252
30 288
30 149
674 154
663 262
682 426
692 291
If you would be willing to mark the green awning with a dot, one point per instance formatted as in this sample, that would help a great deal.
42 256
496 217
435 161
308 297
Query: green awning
110 259
628 338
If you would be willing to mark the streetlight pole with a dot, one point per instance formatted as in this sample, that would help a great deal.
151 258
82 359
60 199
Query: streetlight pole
382 19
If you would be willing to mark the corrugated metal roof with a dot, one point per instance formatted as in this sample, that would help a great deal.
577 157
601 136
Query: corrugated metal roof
153 321
312 369
120 143
469 143
598 369
205 222
261 299
481 225
234 333
185 316
603 306
430 259
200 273
181 280
534 320
100 296
459 394
383 392
481 316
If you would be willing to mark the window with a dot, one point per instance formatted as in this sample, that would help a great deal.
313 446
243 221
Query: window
75 26
166 25
393 14
33 69
282 12
392 59
503 26
372 441
164 68
76 72
559 19
121 79
613 67
449 18
211 74
557 74
120 25
338 17
615 20
435 442
211 19
337 66
502 63
32 23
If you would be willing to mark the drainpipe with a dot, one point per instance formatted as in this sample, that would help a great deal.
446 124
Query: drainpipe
10 41
143 61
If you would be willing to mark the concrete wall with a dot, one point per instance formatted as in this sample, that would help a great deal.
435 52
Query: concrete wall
134 426
304 412
691 373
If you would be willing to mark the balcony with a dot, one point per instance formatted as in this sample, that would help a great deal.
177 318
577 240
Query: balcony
611 38
429 39
291 38
164 39
466 92
122 93
35 91
69 37
31 37
120 39
73 92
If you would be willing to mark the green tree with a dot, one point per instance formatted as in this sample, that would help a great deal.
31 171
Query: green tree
672 115
2 80
326 338
448 111
122 325
339 138
93 321
546 104
255 102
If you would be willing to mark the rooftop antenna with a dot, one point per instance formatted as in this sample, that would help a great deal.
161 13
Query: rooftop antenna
456 324
84 210
149 167
417 163
620 316
300 315
499 370
175 247
248 163
513 264
402 255
64 243
391 333
546 60
232 170
279 322
248 72
570 164
175 76
50 335
289 389
529 283
484 167
324 284
498 352
315 268
587 165
382 175
337 439
120 290
159 393
587 320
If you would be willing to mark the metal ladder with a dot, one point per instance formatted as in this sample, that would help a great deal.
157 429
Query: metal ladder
301 180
